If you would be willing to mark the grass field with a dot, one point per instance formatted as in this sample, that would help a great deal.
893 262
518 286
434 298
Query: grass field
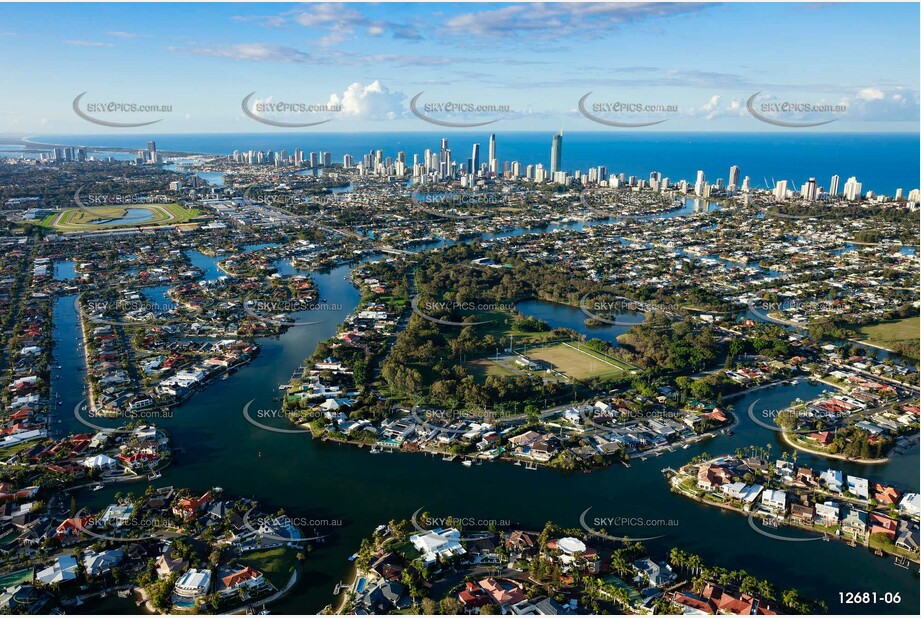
578 362
887 334
97 218
276 564
483 367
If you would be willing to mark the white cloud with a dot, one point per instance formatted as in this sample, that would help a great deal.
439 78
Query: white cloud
875 103
717 108
371 102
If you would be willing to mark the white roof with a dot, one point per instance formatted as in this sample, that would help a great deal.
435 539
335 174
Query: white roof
571 545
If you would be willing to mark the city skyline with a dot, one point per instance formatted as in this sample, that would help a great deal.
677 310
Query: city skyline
370 62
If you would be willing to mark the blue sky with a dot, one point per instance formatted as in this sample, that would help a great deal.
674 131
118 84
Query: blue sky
701 62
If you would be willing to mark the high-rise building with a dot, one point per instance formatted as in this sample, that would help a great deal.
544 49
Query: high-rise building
556 154
833 187
699 183
810 191
492 153
475 160
780 190
734 173
852 189
899 194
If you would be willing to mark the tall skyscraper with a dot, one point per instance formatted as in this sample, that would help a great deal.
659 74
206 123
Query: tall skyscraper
810 190
852 189
780 191
699 184
734 173
833 187
556 154
492 152
475 160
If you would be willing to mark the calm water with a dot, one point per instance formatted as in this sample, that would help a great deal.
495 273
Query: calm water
333 482
882 162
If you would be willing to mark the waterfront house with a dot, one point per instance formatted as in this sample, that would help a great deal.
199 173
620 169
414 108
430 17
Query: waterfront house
100 462
854 522
441 542
188 507
774 500
571 552
908 537
102 562
192 585
910 505
656 574
116 515
858 486
879 523
383 597
742 492
833 480
232 580
167 564
709 477
521 542
827 514
802 514
886 494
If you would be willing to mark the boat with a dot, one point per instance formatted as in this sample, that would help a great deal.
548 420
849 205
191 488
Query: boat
97 486
225 376
376 449
467 463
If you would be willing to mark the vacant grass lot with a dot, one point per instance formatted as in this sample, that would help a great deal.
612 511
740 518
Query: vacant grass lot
276 564
887 334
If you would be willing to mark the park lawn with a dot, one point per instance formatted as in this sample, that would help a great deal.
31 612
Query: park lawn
579 364
481 368
891 332
276 564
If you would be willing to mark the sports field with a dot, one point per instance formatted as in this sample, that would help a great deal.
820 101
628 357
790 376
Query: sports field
97 218
578 362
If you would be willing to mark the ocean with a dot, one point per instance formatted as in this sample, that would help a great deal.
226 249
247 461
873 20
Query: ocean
883 162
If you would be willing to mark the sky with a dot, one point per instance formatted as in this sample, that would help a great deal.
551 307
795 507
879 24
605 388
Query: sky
692 66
